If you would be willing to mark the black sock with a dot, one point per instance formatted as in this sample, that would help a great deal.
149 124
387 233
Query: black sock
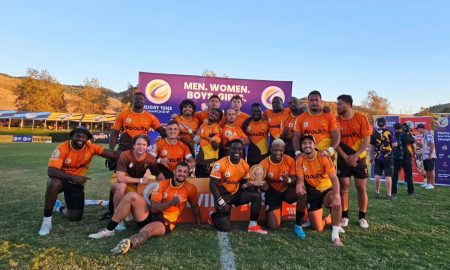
48 213
362 215
345 214
299 215
111 225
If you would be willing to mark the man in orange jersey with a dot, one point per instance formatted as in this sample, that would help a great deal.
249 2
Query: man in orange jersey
131 170
236 104
287 125
355 138
231 131
316 177
188 124
158 214
323 126
170 151
280 186
214 102
275 116
229 186
257 130
67 171
208 138
129 124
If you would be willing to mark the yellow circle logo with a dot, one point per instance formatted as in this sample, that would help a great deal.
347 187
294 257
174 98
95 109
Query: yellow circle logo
269 93
158 91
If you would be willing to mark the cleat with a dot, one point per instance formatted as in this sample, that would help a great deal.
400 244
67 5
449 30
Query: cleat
121 227
122 248
299 232
46 227
103 233
306 224
256 229
344 222
341 230
429 187
424 185
363 223
57 206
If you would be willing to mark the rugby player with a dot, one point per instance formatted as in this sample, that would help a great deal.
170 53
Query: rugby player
214 102
316 177
355 138
188 124
275 116
428 155
158 215
229 186
287 125
67 170
236 104
231 131
257 130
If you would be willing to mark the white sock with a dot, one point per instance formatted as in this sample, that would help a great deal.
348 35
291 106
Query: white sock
335 233
252 223
47 219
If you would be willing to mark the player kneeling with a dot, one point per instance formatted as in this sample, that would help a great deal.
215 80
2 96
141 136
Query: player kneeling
316 177
156 216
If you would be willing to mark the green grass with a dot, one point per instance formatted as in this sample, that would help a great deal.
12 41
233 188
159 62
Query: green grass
410 233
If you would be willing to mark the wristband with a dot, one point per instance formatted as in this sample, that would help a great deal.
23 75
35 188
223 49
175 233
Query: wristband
297 153
158 161
330 150
140 180
221 201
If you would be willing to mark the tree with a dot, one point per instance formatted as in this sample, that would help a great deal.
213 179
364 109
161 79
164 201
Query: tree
127 97
92 99
375 104
212 73
40 91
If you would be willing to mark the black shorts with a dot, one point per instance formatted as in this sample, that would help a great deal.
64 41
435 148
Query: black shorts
360 171
383 166
428 164
155 217
73 195
315 198
274 199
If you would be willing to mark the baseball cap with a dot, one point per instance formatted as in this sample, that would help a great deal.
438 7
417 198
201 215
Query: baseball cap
398 126
81 129
381 120
420 126
307 136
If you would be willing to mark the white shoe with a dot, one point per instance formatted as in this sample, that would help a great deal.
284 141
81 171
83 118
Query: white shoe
430 186
46 227
344 222
424 185
341 230
306 224
103 233
121 227
363 223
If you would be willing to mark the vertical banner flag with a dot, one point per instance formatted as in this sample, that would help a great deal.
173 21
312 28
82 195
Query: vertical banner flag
442 143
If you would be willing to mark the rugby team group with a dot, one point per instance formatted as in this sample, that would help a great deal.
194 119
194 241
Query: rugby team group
298 154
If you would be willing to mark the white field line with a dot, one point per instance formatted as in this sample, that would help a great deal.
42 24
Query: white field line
226 252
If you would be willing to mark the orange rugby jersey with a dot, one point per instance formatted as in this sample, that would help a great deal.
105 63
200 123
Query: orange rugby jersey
240 118
132 124
274 120
175 153
185 125
319 126
207 154
72 161
230 133
166 191
289 123
230 174
316 171
274 171
257 133
353 131
203 117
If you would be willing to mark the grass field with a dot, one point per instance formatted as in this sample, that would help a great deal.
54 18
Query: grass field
409 233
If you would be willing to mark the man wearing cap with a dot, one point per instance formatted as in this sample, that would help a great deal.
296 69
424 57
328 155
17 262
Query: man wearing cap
67 171
382 142
428 154
403 157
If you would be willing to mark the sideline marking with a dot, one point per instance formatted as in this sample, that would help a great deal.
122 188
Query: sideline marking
226 252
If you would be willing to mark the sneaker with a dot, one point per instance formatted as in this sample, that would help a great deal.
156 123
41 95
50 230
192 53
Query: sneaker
344 222
363 223
256 229
103 233
122 248
306 224
299 232
430 186
46 227
424 185
121 227
57 205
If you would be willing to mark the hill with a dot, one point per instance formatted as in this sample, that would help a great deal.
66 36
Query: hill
440 108
8 83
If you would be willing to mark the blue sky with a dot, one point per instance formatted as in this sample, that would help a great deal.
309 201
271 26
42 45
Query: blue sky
400 49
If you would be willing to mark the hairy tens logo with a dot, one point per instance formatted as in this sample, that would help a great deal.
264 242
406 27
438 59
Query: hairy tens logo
269 93
158 91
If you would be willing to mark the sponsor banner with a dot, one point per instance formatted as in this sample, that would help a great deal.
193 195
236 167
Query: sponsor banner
442 143
100 137
7 114
31 115
206 203
22 138
65 116
412 122
98 118
164 92
390 122
6 138
42 139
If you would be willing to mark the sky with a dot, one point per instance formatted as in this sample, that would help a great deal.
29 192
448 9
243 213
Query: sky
400 49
